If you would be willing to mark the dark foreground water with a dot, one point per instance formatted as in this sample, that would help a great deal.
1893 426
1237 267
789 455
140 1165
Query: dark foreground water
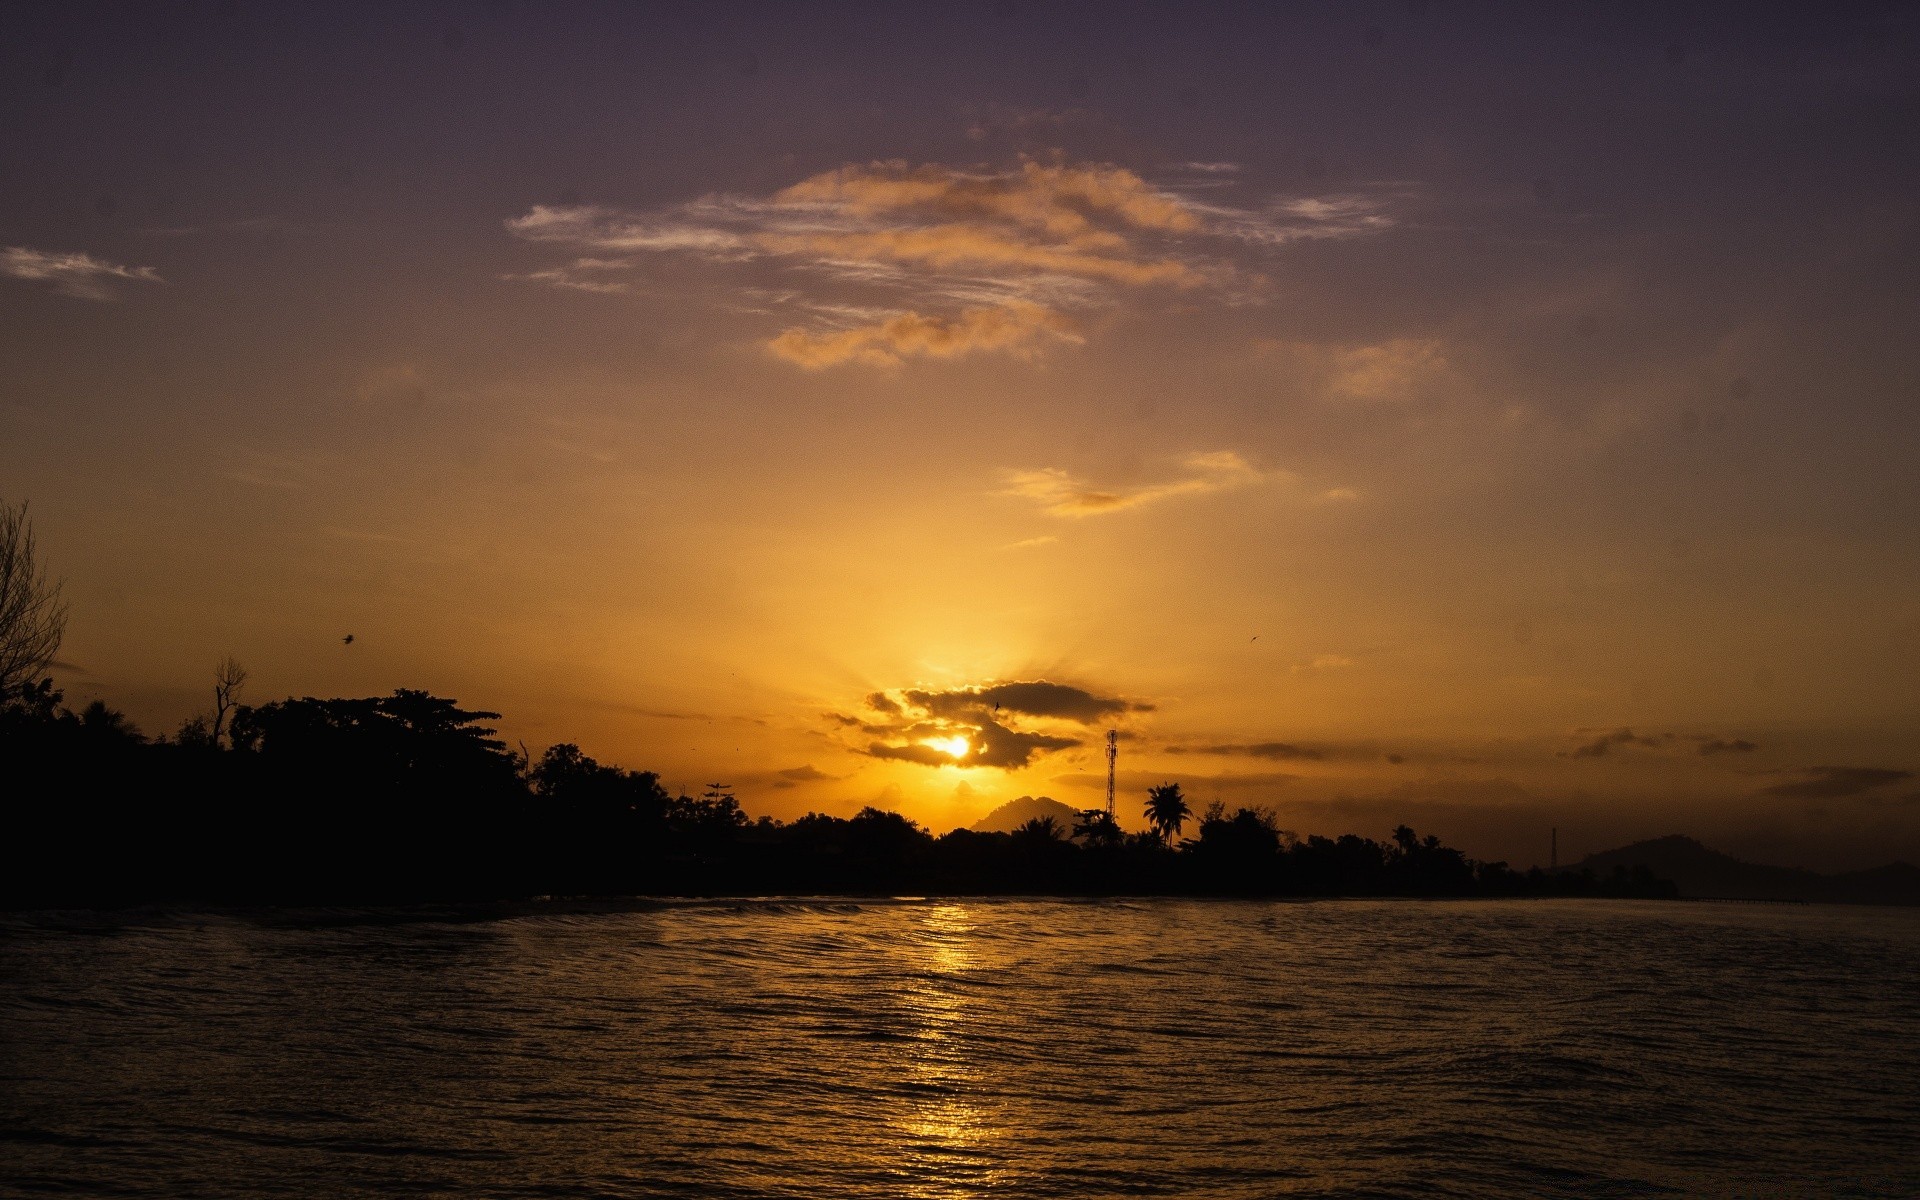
932 1048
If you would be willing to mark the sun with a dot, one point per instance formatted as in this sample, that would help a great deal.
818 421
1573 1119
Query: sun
957 746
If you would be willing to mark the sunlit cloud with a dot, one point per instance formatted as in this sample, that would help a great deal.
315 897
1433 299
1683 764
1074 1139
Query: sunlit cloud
1018 328
70 272
1003 725
931 251
1064 495
1062 200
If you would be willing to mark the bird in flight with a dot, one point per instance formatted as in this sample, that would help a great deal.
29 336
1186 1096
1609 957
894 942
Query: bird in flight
347 640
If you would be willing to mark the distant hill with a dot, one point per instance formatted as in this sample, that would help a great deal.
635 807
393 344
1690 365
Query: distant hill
1015 813
1702 873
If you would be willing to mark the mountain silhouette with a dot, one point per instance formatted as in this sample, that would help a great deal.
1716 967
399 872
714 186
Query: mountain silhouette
1704 873
1015 813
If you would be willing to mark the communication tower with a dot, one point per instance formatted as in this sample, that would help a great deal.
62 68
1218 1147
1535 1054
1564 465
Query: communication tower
1113 753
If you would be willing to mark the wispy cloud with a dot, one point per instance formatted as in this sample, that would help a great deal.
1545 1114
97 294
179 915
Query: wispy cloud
1606 742
951 261
1599 743
1834 783
1064 495
71 273
1396 369
1017 328
1278 751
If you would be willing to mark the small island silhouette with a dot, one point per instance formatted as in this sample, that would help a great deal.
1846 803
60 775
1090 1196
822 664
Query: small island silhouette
411 798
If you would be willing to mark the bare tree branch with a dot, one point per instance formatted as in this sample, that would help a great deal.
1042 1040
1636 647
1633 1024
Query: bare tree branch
228 678
32 617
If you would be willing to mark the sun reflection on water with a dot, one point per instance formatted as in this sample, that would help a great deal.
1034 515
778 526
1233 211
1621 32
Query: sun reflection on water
943 1130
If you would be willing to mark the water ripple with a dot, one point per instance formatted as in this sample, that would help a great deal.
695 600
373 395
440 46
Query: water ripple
922 1048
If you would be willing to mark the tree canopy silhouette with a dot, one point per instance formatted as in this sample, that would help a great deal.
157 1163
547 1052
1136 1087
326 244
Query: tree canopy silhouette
411 797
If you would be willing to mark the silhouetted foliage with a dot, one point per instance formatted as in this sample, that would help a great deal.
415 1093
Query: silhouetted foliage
1167 811
1096 827
410 797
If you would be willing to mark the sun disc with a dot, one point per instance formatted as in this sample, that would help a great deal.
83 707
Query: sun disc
956 746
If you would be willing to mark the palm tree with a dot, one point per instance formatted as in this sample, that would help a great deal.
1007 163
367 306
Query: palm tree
1040 829
1167 810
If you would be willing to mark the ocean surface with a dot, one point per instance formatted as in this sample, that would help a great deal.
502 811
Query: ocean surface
920 1048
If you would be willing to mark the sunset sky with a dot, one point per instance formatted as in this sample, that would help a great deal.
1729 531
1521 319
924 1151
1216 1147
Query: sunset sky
1473 416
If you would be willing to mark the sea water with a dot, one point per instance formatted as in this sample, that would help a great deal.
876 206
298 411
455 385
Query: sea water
965 1047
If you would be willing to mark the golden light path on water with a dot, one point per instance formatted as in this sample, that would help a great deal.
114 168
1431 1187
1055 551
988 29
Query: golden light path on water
946 1123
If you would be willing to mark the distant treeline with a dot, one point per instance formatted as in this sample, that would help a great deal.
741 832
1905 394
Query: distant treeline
408 797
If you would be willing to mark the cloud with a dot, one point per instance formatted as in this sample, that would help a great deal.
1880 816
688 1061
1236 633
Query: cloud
1140 781
1278 751
990 744
578 277
1038 698
795 776
1304 218
1062 495
1061 200
1396 369
1321 662
1031 543
71 273
1018 328
996 722
948 261
1389 370
1603 745
1833 783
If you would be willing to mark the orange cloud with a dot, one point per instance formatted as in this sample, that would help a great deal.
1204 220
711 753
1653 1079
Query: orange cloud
1059 199
1061 494
945 247
954 260
1016 328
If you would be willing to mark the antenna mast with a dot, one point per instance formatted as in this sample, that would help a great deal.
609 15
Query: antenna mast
1113 753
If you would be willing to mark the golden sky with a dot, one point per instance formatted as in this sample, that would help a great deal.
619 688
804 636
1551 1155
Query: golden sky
1419 417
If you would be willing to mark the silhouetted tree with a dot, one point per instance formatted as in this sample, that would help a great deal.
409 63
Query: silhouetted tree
1039 829
228 678
108 725
1096 827
1167 811
32 617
